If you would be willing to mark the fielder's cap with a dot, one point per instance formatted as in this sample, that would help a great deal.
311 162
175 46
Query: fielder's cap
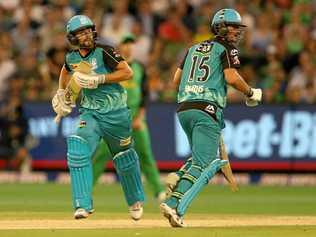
130 38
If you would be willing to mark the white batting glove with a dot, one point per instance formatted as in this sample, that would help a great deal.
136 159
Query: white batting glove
255 98
61 105
88 81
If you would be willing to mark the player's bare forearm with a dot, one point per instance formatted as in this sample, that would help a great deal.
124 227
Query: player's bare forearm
64 78
177 77
235 80
122 73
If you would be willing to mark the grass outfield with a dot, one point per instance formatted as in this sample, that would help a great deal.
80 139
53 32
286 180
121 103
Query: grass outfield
45 210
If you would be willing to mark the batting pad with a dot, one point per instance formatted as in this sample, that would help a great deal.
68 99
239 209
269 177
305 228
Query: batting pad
128 170
204 178
79 163
184 168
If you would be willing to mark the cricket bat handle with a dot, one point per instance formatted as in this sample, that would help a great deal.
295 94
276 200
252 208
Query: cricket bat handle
57 118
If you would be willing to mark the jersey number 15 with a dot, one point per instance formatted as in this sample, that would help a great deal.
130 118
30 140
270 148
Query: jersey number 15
203 67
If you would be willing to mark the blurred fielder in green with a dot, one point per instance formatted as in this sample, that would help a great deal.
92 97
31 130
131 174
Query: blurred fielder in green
202 80
136 97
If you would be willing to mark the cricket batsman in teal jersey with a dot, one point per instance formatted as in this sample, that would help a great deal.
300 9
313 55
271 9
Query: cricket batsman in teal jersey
136 97
202 80
103 115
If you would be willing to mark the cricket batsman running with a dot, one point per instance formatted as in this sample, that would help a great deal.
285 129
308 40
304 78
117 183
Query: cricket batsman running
103 115
202 80
136 99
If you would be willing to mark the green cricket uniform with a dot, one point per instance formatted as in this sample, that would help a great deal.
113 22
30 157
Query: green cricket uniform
202 98
136 96
103 115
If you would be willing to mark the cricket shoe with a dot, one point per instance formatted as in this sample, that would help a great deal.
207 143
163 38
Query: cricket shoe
136 211
171 215
81 213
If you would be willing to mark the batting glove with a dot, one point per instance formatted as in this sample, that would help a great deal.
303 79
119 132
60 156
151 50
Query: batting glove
60 103
255 98
88 81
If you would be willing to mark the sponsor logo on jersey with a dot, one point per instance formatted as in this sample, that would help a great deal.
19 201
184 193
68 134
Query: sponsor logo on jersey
211 109
204 48
194 89
236 60
93 63
234 52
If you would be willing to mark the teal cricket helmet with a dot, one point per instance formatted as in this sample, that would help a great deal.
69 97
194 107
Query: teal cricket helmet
77 23
223 18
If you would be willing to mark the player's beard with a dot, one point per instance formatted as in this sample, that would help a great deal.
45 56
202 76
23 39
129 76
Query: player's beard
87 44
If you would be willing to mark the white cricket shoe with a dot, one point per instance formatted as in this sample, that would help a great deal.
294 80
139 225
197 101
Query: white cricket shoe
171 215
81 213
136 211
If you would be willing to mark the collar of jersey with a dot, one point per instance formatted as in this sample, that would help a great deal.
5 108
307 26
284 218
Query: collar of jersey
87 55
222 41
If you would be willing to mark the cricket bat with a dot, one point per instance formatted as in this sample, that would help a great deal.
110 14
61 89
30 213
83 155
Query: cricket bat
73 89
226 170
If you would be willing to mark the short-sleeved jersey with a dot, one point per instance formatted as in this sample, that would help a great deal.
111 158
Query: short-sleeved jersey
136 88
103 59
203 71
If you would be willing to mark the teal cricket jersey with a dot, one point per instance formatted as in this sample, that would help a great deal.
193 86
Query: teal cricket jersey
107 97
203 71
